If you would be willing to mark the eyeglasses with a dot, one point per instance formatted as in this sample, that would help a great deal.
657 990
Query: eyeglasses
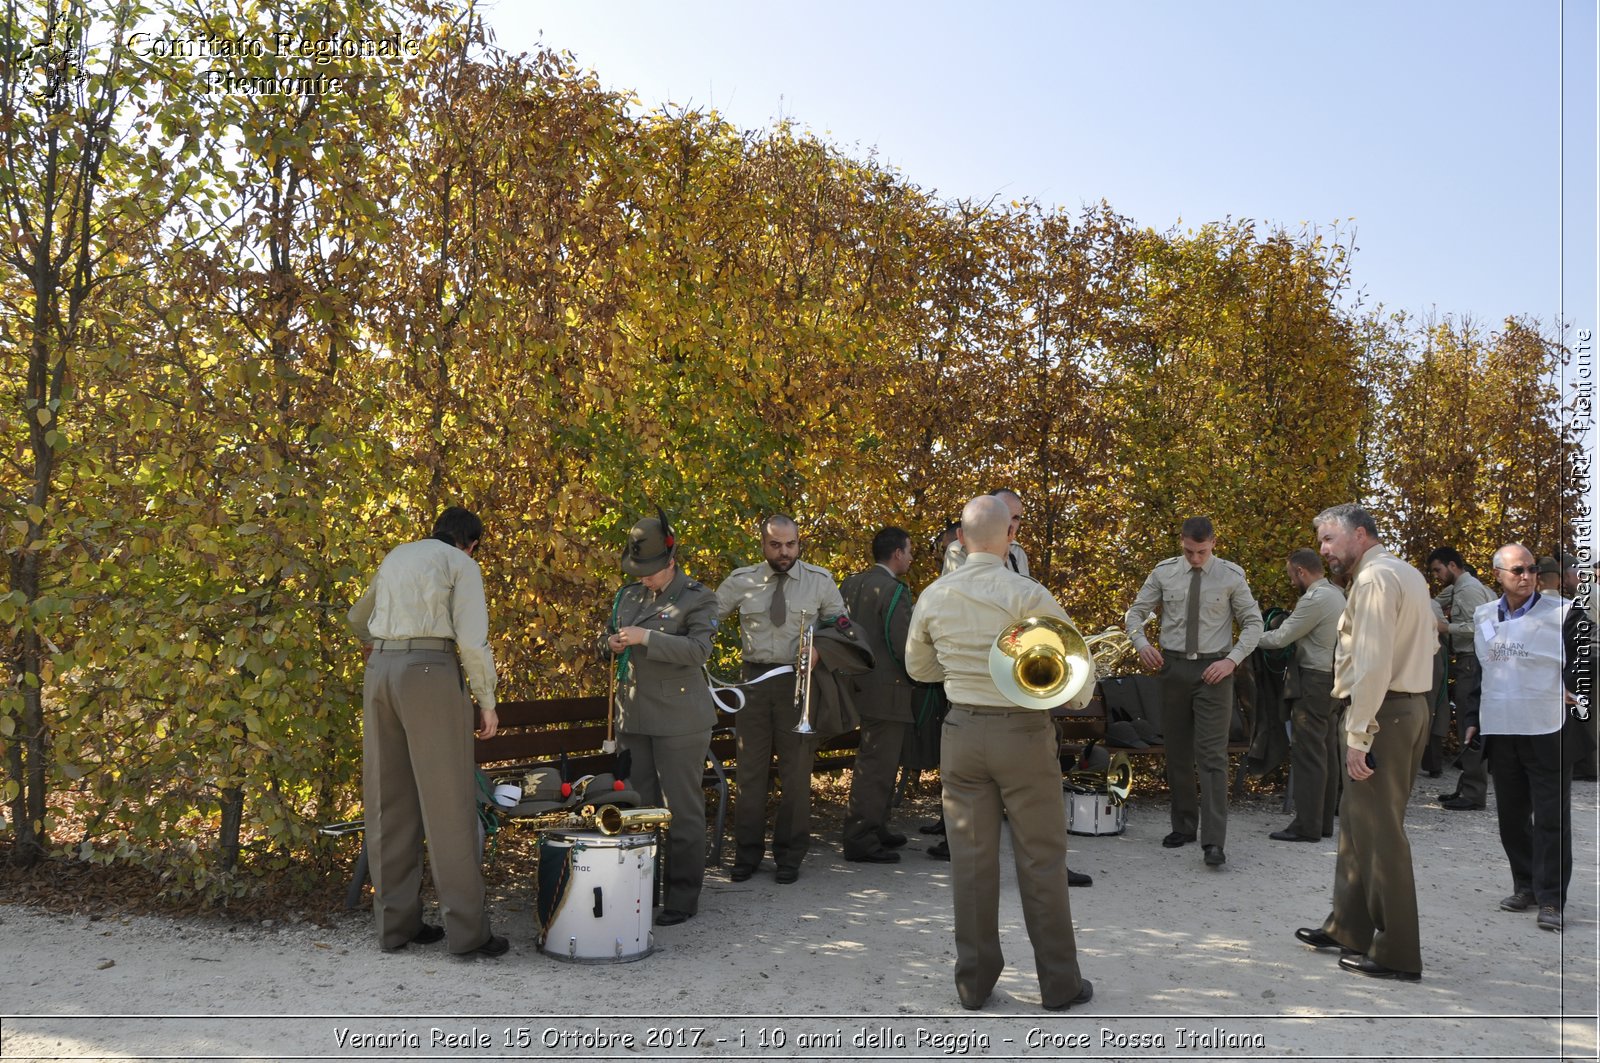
1520 570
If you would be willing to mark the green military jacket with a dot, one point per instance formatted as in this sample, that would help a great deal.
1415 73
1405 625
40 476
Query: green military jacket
880 607
662 690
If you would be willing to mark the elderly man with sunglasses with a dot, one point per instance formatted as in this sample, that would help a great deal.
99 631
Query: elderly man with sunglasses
1531 748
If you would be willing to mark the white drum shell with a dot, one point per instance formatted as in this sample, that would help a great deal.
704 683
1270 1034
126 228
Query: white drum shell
622 868
1093 814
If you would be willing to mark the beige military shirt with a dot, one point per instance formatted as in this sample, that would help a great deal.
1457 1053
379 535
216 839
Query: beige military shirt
1313 627
957 619
1387 639
430 589
956 554
1225 599
749 590
1467 593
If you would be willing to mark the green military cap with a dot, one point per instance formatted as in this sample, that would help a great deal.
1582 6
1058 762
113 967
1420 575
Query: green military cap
651 545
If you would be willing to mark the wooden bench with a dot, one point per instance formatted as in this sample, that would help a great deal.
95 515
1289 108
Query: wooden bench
1077 727
544 731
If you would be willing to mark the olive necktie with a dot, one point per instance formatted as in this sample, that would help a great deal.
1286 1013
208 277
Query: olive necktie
1191 617
779 611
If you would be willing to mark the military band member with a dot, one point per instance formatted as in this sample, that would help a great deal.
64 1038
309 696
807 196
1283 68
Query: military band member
1460 597
1200 597
1016 558
425 607
771 598
880 604
660 635
996 760
1316 747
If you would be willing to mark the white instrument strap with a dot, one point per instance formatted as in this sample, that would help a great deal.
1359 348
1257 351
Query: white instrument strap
729 697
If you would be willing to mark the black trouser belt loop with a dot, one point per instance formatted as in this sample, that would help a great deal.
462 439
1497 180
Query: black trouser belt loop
400 645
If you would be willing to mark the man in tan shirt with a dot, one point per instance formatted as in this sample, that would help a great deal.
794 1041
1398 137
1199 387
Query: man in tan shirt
1200 598
423 608
772 598
1312 629
996 761
1384 665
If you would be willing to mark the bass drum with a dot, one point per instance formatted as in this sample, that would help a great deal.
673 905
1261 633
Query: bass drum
594 896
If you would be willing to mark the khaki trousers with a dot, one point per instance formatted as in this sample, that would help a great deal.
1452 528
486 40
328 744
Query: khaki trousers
671 768
1314 755
763 727
1195 717
1374 891
996 759
872 786
418 782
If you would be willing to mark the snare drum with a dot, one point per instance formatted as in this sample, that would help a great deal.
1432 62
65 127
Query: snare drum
1095 813
594 896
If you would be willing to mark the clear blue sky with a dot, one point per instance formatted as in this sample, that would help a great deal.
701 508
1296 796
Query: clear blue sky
1433 129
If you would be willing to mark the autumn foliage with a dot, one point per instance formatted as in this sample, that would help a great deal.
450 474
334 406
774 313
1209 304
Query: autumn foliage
253 341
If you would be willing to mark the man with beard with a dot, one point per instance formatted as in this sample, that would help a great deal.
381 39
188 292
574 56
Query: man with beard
772 598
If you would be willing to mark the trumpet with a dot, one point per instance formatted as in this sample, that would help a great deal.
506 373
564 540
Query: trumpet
607 819
802 677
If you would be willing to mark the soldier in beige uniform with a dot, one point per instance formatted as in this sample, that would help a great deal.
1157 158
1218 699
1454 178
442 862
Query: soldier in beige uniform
1460 597
423 607
880 604
1016 558
771 598
1200 597
660 634
1383 664
996 760
1316 748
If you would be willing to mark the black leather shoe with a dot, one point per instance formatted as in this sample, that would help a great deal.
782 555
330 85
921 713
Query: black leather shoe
1449 795
672 917
882 856
1434 773
1215 857
741 872
1177 838
1290 836
891 840
940 851
495 946
936 827
1461 804
1078 878
786 875
1085 994
1314 937
1373 969
428 935
1519 901
974 1005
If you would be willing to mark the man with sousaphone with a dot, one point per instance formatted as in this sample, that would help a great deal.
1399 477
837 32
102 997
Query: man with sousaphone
998 757
659 636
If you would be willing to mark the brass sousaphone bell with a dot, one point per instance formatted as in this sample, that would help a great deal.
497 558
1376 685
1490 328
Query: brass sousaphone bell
1042 662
